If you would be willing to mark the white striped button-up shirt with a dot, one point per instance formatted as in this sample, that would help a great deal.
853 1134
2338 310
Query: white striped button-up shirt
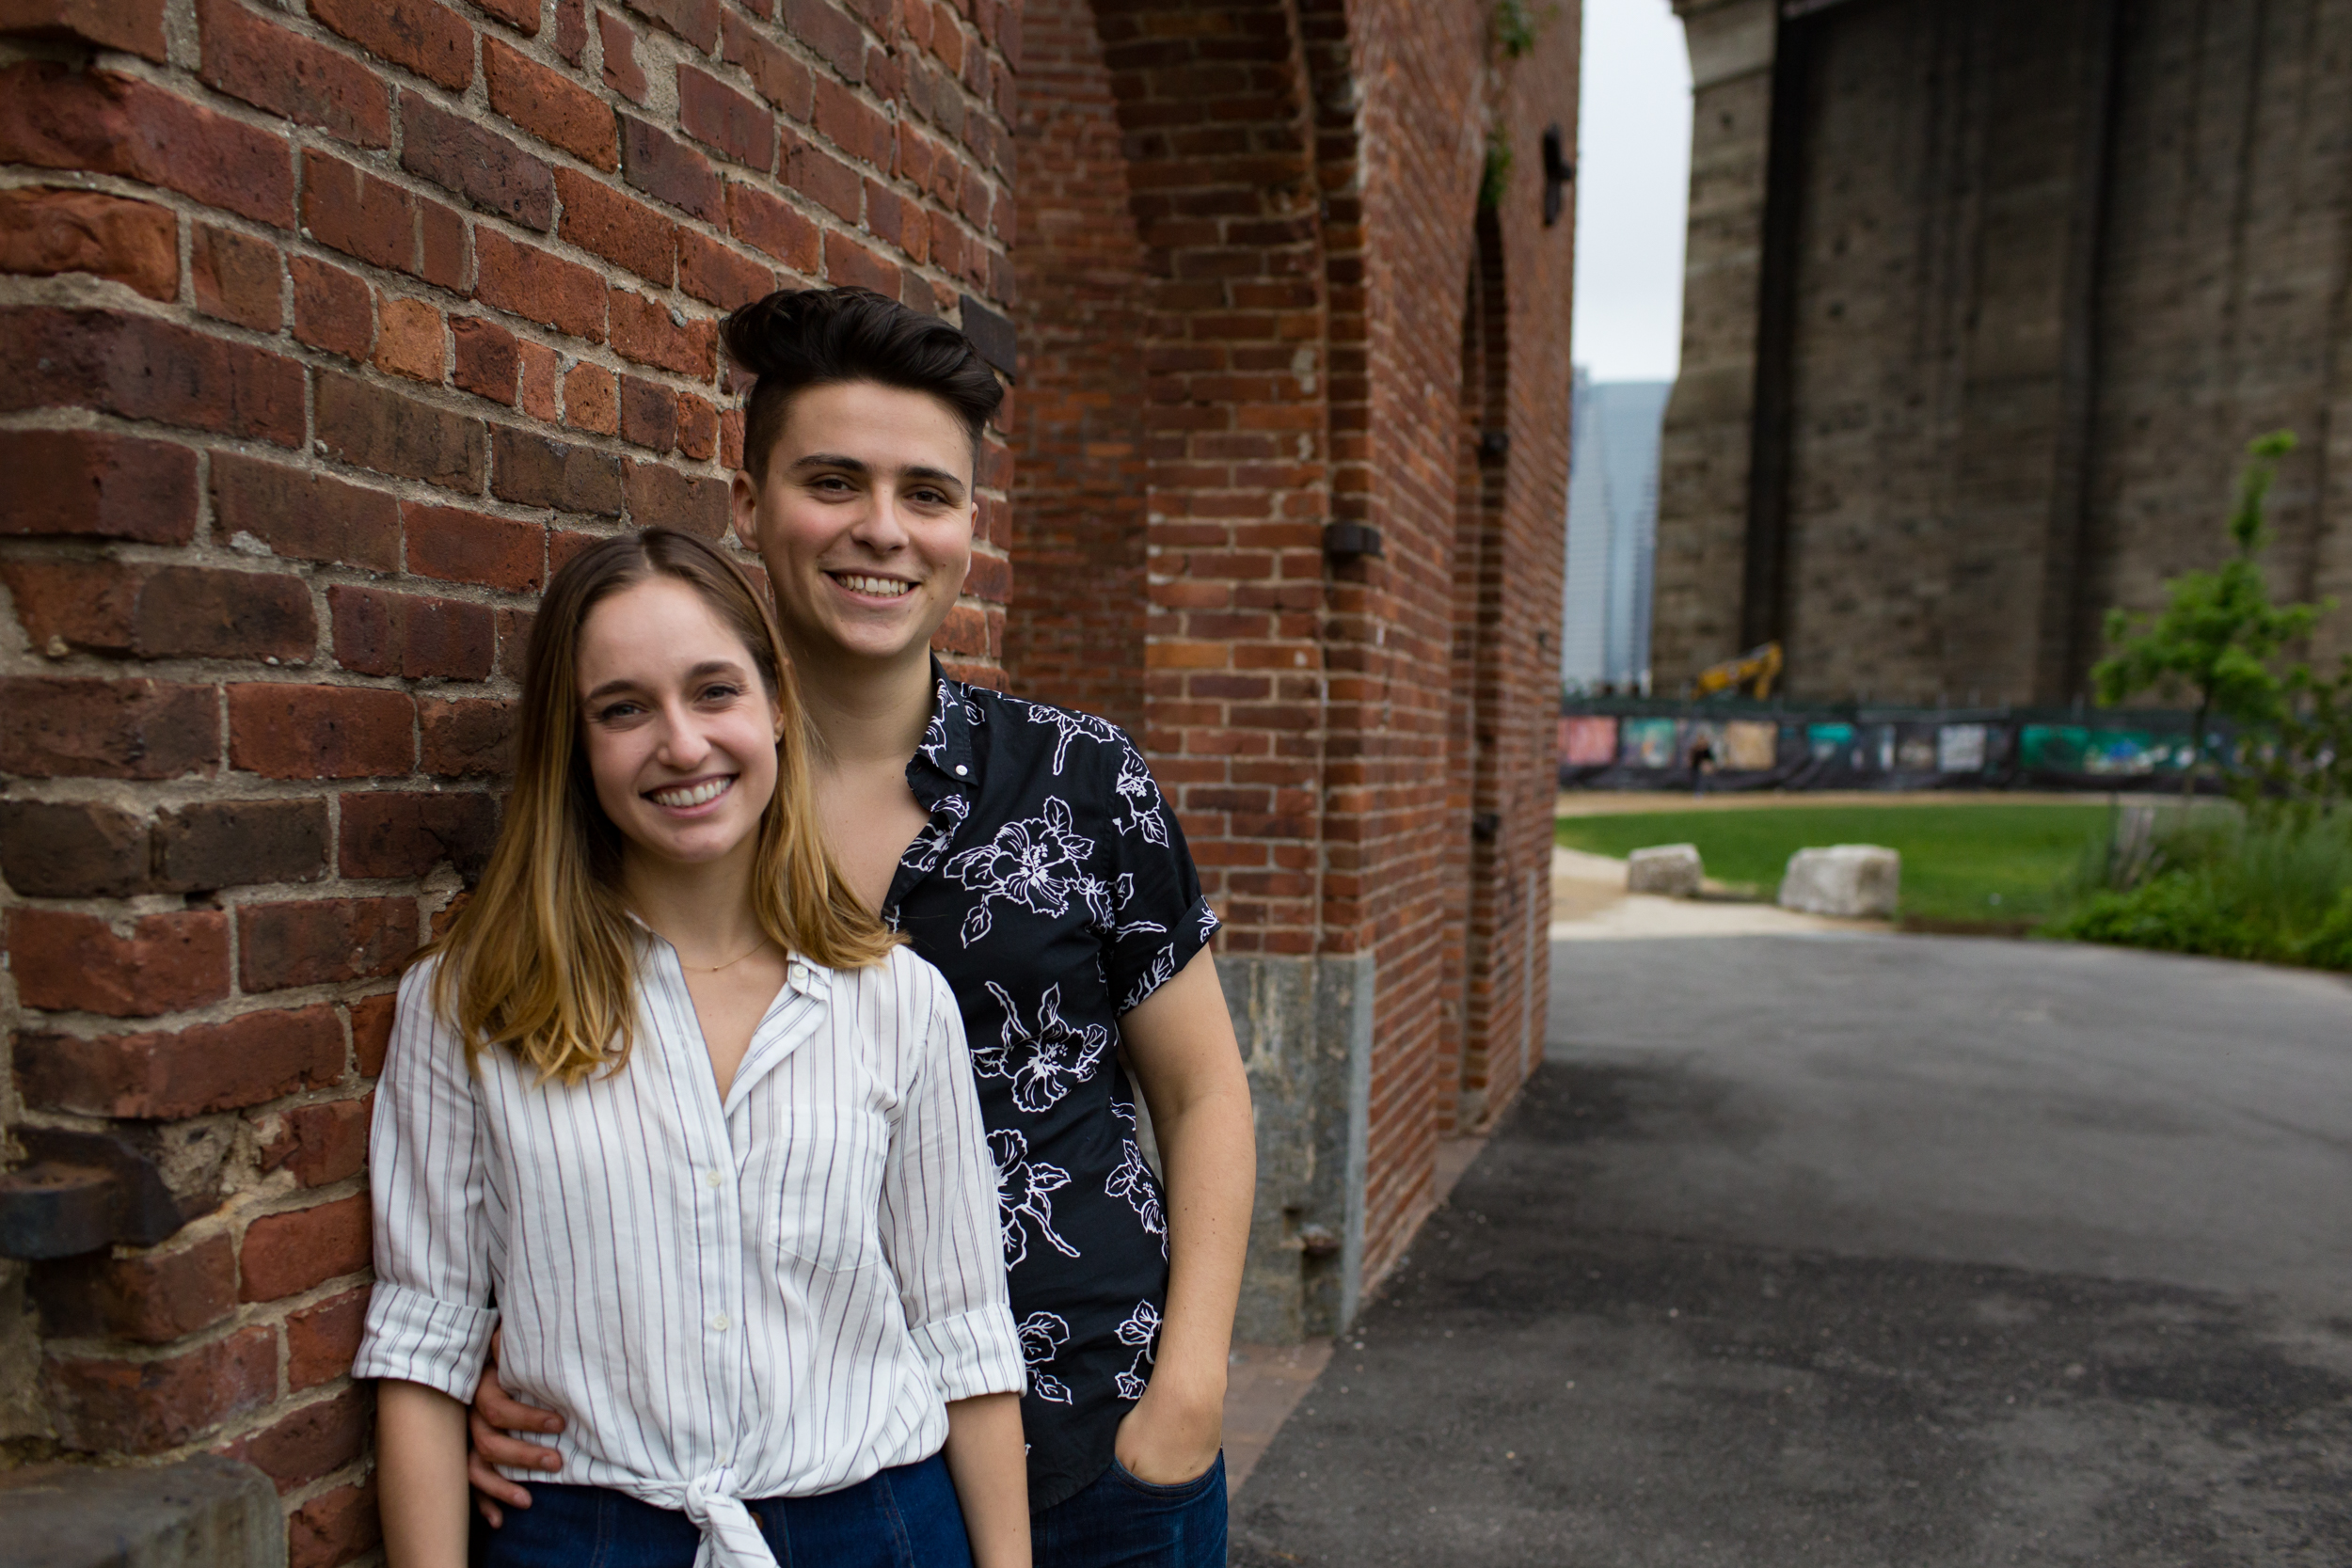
776 1296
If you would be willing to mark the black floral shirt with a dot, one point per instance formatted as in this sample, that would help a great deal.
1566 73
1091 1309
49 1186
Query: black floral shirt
1053 889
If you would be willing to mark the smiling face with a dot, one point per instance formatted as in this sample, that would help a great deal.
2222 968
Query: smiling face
863 520
680 734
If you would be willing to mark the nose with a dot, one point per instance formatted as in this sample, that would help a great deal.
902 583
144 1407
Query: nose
682 746
879 528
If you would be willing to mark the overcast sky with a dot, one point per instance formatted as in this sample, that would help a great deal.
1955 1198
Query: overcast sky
1632 184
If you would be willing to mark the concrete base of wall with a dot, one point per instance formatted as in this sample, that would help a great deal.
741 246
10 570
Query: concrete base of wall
204 1513
1305 1025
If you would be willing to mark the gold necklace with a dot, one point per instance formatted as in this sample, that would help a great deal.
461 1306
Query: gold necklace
713 969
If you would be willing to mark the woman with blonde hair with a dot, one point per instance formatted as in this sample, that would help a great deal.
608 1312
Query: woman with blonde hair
673 1112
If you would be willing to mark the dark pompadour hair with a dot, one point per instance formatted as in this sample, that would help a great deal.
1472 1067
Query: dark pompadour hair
796 339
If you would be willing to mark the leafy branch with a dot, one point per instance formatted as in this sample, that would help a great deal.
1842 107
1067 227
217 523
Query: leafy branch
2219 631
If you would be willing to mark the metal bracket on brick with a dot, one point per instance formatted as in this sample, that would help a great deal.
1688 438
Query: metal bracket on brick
993 335
83 1190
1350 541
1559 172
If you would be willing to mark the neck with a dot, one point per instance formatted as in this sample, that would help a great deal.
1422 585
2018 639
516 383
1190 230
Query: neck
864 711
703 910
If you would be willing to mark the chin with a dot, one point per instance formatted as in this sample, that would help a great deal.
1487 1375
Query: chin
696 845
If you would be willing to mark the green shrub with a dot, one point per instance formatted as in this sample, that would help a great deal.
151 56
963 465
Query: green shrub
2275 886
2170 914
2330 946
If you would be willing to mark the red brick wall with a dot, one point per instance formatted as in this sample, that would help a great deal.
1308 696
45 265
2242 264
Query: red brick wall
323 334
1328 730
1075 631
1431 82
1401 835
1213 101
1522 626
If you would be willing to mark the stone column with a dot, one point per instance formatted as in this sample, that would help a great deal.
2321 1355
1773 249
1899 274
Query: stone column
2020 458
1305 1026
1704 476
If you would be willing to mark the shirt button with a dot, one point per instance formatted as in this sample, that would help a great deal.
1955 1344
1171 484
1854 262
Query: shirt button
712 1178
721 1322
961 771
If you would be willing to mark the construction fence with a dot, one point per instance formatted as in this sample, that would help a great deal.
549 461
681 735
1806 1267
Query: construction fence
1630 743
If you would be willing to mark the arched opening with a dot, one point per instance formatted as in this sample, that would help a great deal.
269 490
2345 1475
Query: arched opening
1475 900
1074 632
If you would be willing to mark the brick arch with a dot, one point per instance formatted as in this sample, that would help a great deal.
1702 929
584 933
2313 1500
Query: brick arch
1182 355
1246 227
1215 103
1474 897
1075 632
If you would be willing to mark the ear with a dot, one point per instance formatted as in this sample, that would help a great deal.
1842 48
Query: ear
743 501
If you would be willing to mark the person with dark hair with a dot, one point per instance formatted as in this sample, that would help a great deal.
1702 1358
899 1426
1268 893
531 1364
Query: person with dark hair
797 339
1025 849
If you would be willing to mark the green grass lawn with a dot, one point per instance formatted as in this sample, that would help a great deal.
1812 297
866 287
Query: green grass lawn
1961 863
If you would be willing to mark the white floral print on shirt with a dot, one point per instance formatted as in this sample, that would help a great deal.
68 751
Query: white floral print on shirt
1141 1330
1042 1336
1035 863
1022 1194
1037 1060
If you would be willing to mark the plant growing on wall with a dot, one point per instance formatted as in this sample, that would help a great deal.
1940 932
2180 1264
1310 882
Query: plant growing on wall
2218 632
1494 183
1518 26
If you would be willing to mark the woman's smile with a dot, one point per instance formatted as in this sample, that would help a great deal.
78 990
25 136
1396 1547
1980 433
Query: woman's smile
693 796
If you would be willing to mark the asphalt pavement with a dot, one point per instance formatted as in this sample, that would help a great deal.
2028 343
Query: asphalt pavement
1831 1250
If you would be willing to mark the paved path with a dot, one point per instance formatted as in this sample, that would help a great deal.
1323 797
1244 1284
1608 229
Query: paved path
1589 903
1879 1250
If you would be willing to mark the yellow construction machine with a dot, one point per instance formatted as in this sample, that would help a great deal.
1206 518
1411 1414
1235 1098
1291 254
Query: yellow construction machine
1752 673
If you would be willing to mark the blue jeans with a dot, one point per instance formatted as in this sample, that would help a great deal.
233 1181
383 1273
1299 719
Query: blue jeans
906 1517
1119 1522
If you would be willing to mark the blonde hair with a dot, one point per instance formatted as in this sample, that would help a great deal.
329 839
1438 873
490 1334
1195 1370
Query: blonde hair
541 959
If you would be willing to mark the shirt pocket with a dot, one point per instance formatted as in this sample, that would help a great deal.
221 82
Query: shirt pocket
827 1195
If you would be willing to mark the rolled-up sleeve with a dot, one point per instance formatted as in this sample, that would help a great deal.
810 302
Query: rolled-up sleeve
1160 919
939 1218
429 1320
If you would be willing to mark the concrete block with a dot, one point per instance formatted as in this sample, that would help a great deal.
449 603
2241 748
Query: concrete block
1305 1029
1852 882
1673 869
202 1512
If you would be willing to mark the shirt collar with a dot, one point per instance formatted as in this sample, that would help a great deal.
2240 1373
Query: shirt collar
945 756
799 975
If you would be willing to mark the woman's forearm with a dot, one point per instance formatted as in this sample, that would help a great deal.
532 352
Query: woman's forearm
990 1469
420 1476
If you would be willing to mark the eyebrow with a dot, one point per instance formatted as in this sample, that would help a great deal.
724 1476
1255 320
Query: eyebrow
858 466
707 668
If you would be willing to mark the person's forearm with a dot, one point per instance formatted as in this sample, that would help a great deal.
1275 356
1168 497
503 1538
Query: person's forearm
420 1476
1210 1151
986 1459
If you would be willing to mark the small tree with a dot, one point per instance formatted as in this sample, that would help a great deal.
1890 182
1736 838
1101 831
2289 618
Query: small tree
2308 763
2219 631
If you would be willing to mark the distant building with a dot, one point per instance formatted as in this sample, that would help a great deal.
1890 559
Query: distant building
1612 533
1983 301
